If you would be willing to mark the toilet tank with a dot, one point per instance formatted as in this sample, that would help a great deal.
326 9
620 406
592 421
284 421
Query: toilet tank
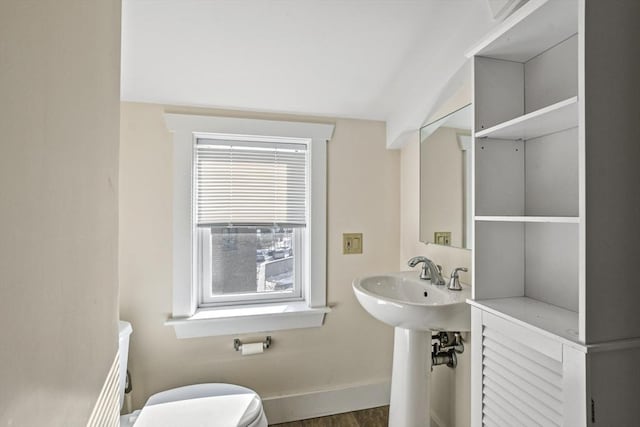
125 330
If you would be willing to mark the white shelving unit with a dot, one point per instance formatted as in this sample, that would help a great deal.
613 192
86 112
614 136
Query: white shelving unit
551 178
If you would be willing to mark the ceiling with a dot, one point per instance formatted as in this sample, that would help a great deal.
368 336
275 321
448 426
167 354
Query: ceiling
369 59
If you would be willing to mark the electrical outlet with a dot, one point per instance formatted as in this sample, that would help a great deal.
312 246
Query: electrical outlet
352 243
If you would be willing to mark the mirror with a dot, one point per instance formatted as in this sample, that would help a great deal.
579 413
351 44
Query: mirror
445 180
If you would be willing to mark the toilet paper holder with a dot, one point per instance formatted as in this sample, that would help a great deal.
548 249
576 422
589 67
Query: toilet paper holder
237 344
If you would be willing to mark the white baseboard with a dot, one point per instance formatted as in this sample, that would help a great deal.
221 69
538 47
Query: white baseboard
302 406
294 407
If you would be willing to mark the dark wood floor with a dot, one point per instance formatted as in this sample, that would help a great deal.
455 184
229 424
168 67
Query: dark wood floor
374 417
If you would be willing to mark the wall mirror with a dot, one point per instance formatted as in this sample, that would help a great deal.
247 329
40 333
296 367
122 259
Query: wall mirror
445 180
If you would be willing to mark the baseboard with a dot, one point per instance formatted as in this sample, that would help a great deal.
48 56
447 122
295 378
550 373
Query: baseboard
300 406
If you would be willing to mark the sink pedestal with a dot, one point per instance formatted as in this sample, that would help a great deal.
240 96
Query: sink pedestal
415 308
410 375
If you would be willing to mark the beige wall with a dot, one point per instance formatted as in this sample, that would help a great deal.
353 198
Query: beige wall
450 388
351 348
59 113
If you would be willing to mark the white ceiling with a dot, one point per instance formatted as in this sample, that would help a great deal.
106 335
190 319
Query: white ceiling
371 59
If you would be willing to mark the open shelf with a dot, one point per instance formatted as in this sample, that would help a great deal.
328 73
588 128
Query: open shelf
513 218
540 316
554 118
527 181
531 30
538 260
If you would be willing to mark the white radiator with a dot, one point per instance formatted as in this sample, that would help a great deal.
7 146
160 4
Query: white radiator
106 412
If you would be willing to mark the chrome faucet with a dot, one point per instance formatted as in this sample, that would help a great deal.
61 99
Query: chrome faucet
430 271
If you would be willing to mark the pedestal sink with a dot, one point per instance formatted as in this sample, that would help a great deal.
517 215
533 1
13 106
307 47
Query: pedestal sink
414 308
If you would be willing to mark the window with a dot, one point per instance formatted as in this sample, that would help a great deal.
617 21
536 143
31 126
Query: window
249 225
250 203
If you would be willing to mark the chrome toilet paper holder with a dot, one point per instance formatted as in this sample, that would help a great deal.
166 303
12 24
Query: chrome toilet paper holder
237 344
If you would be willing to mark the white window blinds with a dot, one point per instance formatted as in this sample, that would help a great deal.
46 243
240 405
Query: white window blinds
250 183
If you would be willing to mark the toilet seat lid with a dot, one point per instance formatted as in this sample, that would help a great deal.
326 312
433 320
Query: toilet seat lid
201 405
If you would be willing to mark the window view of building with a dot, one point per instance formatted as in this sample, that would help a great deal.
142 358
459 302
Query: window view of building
232 247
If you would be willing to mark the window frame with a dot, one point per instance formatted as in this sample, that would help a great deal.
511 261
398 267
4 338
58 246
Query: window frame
189 318
301 238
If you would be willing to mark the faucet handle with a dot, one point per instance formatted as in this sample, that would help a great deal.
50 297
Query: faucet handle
454 282
454 273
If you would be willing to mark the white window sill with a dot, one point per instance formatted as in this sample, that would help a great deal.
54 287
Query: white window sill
208 322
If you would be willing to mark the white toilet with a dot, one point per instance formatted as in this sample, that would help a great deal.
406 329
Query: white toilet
199 405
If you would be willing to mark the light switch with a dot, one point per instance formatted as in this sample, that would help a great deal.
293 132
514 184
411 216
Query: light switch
442 238
352 243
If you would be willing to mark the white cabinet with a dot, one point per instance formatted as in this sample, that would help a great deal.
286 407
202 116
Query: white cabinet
557 215
524 377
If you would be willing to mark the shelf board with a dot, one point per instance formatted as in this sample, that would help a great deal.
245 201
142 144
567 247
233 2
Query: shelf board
554 118
530 30
510 218
545 318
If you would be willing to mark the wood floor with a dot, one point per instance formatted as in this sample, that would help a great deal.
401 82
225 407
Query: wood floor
374 417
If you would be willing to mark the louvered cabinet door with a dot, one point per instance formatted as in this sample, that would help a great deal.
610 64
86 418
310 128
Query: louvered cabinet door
519 378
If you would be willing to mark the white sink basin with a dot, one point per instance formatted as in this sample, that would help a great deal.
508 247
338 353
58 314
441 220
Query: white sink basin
403 300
